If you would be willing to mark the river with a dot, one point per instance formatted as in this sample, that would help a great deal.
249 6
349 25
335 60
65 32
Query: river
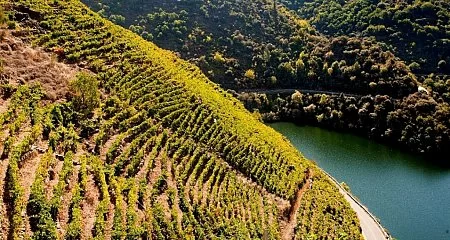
408 195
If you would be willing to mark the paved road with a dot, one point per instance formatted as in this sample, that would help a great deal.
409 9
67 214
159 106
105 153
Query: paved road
371 228
292 90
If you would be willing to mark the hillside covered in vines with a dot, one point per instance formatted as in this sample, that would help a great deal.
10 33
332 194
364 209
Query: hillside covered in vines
378 54
106 136
261 44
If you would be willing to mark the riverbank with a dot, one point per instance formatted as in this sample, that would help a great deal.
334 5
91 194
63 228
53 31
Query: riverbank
370 225
417 123
405 192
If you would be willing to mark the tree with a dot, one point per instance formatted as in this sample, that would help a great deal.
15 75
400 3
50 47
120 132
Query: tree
250 73
297 98
84 89
414 66
218 57
442 64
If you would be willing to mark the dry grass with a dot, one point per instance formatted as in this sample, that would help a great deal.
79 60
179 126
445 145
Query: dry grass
23 64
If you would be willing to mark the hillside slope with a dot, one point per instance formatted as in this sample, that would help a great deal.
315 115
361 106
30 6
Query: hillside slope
163 154
258 46
417 31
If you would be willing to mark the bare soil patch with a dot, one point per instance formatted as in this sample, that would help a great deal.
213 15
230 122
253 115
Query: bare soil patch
27 176
90 203
63 213
4 221
288 225
22 64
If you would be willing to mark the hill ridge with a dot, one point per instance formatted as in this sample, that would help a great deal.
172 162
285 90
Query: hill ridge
162 131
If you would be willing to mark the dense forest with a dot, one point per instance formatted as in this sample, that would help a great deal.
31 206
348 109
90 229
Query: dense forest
416 31
417 122
104 135
330 47
260 44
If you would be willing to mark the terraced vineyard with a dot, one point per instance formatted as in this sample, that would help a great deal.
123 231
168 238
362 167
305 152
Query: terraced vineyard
166 155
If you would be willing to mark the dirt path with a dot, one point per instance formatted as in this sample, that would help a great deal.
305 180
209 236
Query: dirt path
172 184
104 149
51 183
89 203
4 104
27 175
4 220
287 231
63 213
109 221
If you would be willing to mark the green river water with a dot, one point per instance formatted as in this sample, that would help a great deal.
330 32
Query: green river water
410 196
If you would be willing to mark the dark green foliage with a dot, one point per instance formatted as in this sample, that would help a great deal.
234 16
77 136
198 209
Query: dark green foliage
417 122
46 227
416 30
85 90
253 44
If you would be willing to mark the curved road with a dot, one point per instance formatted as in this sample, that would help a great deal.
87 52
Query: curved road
291 90
371 228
